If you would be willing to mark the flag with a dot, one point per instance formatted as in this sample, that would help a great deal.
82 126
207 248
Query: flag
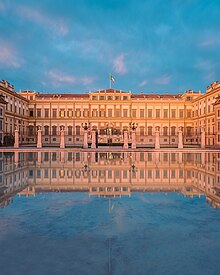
112 78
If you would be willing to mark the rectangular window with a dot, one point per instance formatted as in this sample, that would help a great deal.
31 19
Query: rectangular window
141 113
117 112
125 98
133 113
46 112
189 113
54 112
165 113
78 113
62 113
86 113
218 113
117 97
94 112
173 113
102 97
69 113
109 112
38 112
31 112
181 113
125 113
157 113
150 113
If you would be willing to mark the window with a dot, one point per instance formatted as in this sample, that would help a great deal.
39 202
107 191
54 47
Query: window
46 130
181 113
189 113
69 130
125 98
117 112
109 97
133 113
218 113
102 97
69 113
77 130
46 112
38 112
31 112
173 113
31 130
149 113
94 97
117 97
165 131
173 130
94 112
109 112
62 113
165 113
86 113
142 130
141 112
102 113
54 112
78 113
125 113
54 130
150 130
157 113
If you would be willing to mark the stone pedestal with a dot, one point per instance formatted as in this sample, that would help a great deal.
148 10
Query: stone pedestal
180 139
157 139
62 139
202 138
16 144
133 139
93 146
85 139
16 158
39 158
39 138
125 140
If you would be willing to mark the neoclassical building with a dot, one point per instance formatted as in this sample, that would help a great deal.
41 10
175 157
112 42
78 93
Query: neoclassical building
110 113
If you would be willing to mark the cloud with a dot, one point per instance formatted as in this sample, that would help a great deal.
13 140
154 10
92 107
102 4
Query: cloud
210 41
2 6
119 64
56 25
143 83
205 65
163 80
8 56
58 77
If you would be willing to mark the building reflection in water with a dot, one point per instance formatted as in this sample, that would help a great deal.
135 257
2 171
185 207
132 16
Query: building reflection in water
110 174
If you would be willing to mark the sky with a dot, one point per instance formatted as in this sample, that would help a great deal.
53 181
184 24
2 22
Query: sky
150 46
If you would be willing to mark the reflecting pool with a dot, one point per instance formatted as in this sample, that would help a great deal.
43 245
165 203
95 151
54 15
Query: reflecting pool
109 213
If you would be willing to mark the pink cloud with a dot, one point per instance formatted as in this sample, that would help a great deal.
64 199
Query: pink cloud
57 25
163 80
119 64
8 56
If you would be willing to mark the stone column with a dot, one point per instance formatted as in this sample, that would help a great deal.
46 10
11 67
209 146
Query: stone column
62 139
180 138
133 139
85 139
93 146
180 157
157 138
62 157
202 138
125 140
39 138
16 144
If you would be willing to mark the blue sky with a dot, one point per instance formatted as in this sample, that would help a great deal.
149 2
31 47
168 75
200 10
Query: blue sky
71 46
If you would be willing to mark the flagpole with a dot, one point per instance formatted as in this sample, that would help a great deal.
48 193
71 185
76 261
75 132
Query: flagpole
110 81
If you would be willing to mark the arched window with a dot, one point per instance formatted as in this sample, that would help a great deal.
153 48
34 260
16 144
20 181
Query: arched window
77 130
165 131
142 130
70 130
30 130
150 130
54 130
173 131
46 130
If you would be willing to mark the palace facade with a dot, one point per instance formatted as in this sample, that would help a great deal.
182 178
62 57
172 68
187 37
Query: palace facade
110 113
